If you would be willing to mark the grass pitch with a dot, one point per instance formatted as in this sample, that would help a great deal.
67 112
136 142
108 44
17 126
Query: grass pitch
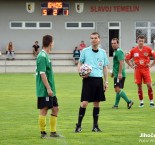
19 115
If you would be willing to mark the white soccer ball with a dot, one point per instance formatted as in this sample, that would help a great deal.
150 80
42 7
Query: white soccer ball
85 69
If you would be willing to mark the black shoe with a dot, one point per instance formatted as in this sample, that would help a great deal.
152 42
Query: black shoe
96 129
54 134
152 105
114 107
141 105
129 105
43 135
78 128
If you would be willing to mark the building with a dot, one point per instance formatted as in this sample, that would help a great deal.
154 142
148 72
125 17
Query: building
71 21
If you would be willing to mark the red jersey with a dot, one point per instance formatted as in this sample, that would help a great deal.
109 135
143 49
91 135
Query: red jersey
82 46
141 57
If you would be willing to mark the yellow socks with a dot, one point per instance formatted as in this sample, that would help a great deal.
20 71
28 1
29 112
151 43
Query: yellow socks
42 123
53 122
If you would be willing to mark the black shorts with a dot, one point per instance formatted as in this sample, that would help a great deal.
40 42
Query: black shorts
119 83
76 58
47 102
92 90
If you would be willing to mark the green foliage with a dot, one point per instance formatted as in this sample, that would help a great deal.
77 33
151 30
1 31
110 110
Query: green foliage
19 114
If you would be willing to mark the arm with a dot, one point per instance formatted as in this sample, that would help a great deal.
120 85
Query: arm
78 66
45 82
121 62
128 57
105 72
153 63
153 55
128 62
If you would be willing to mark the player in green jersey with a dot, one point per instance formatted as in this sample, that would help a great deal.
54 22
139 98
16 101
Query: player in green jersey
119 74
45 88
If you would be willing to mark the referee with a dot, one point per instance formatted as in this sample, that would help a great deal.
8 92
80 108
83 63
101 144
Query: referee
93 87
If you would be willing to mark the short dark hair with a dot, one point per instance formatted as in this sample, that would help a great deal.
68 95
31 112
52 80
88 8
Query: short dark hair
115 39
47 39
141 37
96 33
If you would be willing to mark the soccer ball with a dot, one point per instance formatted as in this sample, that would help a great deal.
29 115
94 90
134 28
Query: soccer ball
85 69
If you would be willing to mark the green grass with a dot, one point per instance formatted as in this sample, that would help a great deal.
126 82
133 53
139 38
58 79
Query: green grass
19 115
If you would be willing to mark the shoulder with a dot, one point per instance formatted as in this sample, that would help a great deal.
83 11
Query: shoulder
119 50
42 54
147 47
134 49
102 50
87 49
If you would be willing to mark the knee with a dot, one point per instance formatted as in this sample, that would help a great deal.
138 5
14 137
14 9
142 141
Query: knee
55 110
139 87
43 111
149 86
96 104
117 89
84 104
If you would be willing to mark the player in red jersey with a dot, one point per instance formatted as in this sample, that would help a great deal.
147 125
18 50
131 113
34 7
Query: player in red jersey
141 56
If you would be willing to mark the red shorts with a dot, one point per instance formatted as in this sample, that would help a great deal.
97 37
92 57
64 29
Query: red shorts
142 74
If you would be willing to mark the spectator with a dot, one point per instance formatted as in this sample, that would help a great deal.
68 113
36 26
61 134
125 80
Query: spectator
36 49
76 55
10 51
82 45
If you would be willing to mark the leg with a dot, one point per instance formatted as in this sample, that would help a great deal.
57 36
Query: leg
12 53
118 84
140 92
8 54
150 94
117 98
138 80
53 118
96 111
42 121
148 82
82 111
140 95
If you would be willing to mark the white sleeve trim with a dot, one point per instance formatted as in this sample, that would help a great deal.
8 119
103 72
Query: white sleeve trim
42 72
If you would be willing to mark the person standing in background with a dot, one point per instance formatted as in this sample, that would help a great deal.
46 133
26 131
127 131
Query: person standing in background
119 74
76 55
140 55
82 45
